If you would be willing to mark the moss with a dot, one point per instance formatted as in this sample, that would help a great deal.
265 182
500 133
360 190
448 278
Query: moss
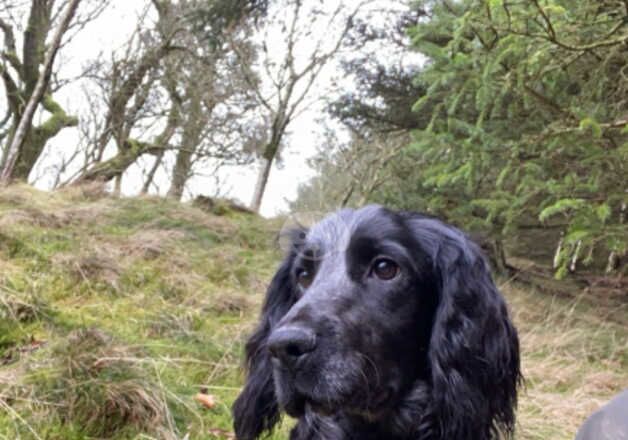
57 121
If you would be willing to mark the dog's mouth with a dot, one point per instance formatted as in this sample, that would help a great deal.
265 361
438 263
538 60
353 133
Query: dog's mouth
371 406
376 406
328 391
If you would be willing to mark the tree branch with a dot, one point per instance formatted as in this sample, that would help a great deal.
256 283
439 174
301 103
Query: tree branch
10 53
37 95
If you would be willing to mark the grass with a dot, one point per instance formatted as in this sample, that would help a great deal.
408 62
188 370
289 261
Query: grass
116 313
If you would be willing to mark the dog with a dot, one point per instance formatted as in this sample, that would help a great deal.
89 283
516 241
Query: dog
382 324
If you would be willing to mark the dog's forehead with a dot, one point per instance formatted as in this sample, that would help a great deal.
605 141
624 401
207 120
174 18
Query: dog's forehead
334 232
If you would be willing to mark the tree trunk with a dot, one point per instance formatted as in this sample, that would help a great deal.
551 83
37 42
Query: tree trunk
109 169
266 163
262 181
180 174
151 173
36 138
5 152
614 258
41 85
190 140
117 186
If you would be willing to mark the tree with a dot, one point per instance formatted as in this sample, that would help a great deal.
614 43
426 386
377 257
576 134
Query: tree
130 86
518 125
287 75
349 174
167 78
215 101
27 84
376 109
381 90
527 131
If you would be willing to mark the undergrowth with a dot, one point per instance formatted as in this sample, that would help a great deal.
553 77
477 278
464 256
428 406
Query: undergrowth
116 313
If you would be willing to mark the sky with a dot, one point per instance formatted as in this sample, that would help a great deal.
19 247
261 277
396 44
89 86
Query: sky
109 32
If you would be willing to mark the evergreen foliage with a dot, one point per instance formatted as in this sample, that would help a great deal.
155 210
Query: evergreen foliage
529 109
521 113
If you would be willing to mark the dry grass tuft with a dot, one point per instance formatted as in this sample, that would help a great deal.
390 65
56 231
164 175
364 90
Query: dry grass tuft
7 268
57 218
89 214
103 386
16 195
151 243
573 360
19 310
93 265
172 324
25 197
85 191
26 206
220 225
221 206
28 216
231 303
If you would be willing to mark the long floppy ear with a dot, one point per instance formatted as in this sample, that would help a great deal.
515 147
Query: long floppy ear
474 348
256 409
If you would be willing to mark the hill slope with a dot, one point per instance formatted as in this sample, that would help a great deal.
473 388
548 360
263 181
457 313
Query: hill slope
116 313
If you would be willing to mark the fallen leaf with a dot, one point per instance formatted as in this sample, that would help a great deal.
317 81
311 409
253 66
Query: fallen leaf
207 400
221 433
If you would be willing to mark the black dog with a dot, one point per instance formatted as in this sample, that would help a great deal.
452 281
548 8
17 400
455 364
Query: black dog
382 325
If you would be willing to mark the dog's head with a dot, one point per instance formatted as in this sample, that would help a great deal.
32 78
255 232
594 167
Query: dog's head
368 304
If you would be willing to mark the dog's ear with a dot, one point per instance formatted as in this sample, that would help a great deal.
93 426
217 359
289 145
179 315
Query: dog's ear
474 348
256 409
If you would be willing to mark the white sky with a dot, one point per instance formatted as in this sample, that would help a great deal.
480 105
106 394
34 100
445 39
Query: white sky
109 32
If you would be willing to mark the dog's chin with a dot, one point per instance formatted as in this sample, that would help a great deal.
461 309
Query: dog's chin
298 404
294 405
295 401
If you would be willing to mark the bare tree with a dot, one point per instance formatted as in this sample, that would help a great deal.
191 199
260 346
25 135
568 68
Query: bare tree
215 102
349 173
367 164
24 83
289 74
128 83
166 95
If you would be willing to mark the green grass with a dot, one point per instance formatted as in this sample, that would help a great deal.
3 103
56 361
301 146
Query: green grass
115 313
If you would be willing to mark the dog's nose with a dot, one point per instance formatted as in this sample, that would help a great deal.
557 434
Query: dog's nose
291 344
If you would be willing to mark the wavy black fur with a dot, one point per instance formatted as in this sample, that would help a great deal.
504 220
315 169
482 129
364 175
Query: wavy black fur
429 355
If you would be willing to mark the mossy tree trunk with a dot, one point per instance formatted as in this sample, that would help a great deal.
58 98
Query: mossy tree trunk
27 89
37 136
130 151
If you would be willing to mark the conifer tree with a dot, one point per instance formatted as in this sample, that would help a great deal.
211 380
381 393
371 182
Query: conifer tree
528 118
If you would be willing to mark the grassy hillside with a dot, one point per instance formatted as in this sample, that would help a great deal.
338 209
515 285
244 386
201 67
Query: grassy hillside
116 313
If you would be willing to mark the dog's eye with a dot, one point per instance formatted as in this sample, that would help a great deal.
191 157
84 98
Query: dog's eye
385 269
304 278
